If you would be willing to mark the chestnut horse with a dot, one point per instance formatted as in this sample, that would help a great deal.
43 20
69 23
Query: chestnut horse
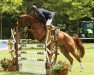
67 44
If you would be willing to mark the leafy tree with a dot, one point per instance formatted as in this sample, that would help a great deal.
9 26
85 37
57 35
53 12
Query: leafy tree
68 12
8 10
9 6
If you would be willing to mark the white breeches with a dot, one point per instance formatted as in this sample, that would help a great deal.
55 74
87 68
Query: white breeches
49 21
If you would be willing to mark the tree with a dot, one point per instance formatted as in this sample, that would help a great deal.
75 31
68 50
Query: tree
68 12
8 7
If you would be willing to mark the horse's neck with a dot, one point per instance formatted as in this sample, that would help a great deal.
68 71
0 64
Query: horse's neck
32 19
35 23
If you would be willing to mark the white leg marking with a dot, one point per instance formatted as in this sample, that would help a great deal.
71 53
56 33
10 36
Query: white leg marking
82 67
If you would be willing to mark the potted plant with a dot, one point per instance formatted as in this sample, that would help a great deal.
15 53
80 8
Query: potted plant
8 65
60 68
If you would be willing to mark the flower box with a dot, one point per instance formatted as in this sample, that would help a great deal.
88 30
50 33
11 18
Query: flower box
60 68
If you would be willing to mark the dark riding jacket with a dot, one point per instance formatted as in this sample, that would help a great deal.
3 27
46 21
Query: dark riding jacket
44 14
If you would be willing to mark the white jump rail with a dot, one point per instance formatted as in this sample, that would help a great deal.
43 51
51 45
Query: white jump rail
36 64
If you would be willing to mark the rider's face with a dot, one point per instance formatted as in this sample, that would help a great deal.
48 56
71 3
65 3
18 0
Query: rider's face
34 10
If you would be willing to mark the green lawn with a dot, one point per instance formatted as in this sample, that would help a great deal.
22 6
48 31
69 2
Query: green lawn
88 62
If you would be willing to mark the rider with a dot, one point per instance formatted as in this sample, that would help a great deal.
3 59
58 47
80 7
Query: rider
45 15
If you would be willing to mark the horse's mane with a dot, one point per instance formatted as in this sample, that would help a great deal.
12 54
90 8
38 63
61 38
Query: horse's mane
36 19
25 14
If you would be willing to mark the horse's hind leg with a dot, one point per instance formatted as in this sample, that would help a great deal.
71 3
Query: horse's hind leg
79 59
74 53
65 52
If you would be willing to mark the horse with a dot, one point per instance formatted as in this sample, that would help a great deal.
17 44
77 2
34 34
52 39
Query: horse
65 42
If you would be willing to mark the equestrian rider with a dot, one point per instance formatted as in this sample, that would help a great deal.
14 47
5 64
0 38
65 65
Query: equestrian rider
45 15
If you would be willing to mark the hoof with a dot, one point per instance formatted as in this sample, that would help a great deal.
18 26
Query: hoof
82 70
70 68
82 67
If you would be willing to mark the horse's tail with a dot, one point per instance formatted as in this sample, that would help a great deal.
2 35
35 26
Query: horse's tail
79 46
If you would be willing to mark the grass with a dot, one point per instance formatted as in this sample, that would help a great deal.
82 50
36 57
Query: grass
88 62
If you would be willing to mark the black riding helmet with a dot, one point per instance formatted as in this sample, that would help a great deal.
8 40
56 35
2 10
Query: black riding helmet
33 7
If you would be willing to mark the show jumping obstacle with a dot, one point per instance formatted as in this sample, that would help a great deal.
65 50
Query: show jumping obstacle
36 62
32 60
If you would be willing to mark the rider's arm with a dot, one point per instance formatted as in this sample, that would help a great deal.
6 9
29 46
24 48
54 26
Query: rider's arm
49 13
40 14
